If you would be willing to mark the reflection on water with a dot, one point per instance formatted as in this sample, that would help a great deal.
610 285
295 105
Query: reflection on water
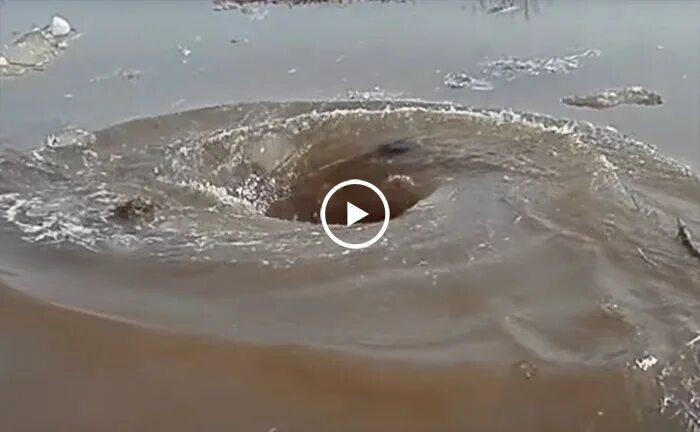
532 277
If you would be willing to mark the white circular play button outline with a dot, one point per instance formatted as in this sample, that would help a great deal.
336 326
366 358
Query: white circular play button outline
374 189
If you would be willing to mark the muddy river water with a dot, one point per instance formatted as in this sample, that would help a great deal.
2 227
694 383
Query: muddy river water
531 278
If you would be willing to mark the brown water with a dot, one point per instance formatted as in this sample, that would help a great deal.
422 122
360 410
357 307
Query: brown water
530 280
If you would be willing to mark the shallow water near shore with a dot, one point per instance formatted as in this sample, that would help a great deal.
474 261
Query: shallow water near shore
531 278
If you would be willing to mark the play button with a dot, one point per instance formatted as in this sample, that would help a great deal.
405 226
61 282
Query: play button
355 214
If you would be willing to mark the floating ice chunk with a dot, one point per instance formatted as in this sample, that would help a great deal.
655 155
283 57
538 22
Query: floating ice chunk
462 80
375 94
72 137
59 26
256 14
481 85
184 50
609 98
36 48
496 10
511 67
126 74
646 362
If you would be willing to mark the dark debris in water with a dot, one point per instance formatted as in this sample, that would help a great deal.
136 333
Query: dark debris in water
394 148
526 369
398 167
609 98
686 238
134 209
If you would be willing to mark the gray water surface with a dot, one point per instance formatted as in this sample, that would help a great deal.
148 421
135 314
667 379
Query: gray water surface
402 49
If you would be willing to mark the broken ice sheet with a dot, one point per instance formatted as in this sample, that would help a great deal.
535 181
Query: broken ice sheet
512 67
36 48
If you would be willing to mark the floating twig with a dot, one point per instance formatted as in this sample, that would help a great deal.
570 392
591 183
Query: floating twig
693 341
645 257
686 238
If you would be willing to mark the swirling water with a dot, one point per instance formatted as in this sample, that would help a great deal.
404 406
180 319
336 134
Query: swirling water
540 243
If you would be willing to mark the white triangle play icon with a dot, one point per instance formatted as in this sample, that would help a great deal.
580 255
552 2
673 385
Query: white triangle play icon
354 214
